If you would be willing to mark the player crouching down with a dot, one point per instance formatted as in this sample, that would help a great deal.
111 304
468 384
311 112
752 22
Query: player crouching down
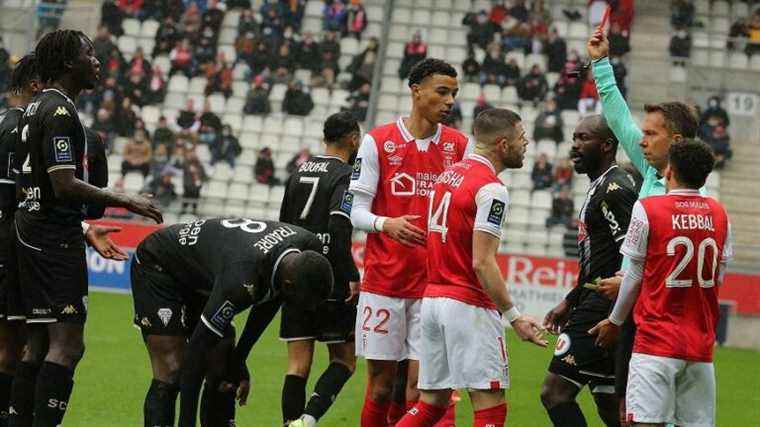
190 280
465 301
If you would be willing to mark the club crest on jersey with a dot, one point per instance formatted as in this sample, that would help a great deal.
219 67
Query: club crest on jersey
496 213
61 111
448 146
563 345
62 149
395 160
165 314
389 146
357 168
347 202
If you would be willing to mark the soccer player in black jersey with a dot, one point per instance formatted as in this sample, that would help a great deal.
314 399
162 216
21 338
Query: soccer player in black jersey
190 280
317 199
603 224
53 174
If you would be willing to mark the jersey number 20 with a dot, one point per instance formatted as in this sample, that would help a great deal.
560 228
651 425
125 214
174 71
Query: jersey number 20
437 219
673 281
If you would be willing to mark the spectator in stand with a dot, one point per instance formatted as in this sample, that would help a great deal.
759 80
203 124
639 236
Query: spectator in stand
480 105
247 23
111 16
533 86
204 57
103 44
738 34
163 135
517 36
356 19
261 59
589 97
136 89
156 86
187 117
620 72
114 64
257 99
414 52
562 210
471 68
359 102
297 160
682 13
717 137
110 95
481 29
167 36
182 58
297 102
499 12
104 125
160 161
549 124
519 11
539 31
194 175
362 66
284 64
715 111
292 13
227 149
308 54
210 118
680 47
563 175
263 170
512 72
131 8
162 189
329 53
568 87
208 136
136 155
619 41
556 52
271 26
221 79
191 20
334 16
212 17
753 29
493 69
543 173
622 14
245 45
126 119
138 64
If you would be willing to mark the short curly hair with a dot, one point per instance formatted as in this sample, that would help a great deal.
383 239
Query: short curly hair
24 73
429 66
691 161
55 49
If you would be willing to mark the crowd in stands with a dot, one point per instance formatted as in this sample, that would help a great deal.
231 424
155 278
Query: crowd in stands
713 129
744 34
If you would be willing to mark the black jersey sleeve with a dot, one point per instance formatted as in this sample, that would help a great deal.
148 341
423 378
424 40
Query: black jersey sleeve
98 165
59 131
617 204
285 198
340 229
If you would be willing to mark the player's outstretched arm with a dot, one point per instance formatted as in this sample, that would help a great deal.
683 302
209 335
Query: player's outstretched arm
97 237
484 247
258 319
66 186
614 107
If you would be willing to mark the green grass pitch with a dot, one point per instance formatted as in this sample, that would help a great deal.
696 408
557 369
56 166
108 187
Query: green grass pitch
112 379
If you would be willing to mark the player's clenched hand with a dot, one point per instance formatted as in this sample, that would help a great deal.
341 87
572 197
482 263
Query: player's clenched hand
557 317
353 292
97 237
610 287
241 386
606 332
598 46
403 231
143 206
528 329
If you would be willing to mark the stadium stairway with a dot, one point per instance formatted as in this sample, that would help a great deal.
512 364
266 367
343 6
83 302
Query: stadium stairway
649 62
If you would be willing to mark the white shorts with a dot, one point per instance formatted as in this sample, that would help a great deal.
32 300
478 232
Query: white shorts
463 346
667 390
387 328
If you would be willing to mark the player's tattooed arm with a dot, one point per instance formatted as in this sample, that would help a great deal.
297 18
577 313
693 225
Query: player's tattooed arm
67 187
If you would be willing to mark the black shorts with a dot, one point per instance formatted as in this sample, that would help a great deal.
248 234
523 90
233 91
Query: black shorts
11 304
162 306
579 360
331 323
53 281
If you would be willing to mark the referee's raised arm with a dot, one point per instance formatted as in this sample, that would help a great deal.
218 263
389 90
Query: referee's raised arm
614 107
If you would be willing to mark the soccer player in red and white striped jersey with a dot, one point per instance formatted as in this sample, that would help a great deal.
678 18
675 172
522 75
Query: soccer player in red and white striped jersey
395 169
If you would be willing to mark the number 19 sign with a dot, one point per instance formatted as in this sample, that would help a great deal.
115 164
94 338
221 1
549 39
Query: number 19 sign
743 103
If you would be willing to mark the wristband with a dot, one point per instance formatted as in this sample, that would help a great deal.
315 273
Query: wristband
379 222
512 314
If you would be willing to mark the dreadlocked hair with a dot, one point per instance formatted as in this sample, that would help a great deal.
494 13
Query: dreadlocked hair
24 72
55 49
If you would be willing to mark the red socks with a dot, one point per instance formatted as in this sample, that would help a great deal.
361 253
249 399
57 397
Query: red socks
491 417
395 412
422 415
374 414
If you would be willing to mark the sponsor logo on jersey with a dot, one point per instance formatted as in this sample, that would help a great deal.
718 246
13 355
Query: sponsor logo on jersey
569 359
610 217
612 187
403 184
145 322
448 146
41 311
223 316
69 309
347 202
250 288
61 111
62 149
165 314
389 146
496 213
563 345
357 168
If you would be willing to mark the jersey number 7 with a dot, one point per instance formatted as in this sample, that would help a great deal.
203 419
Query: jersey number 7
437 220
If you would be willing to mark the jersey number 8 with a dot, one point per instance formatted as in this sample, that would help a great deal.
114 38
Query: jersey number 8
245 224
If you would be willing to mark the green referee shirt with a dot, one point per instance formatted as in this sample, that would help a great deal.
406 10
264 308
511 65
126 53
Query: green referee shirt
626 130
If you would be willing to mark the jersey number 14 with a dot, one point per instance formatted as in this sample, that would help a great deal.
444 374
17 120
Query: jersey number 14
438 219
